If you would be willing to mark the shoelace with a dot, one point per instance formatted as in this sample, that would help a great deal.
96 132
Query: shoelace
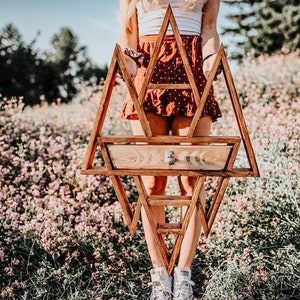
183 289
161 289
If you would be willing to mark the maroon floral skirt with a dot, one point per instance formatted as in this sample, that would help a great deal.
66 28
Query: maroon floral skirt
169 69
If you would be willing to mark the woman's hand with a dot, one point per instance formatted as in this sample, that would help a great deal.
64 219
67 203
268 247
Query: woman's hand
131 66
208 65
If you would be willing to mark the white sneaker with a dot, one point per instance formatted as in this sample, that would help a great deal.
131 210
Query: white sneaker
161 284
183 285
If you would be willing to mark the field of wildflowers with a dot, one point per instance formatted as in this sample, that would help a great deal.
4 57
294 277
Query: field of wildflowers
62 234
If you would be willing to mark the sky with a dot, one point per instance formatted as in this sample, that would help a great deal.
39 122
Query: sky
96 23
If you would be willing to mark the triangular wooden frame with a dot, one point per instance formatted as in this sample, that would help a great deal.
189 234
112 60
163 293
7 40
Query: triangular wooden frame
111 169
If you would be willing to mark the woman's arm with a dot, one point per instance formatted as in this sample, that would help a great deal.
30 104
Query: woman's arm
129 34
210 36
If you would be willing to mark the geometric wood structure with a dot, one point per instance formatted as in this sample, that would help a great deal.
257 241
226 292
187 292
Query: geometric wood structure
168 155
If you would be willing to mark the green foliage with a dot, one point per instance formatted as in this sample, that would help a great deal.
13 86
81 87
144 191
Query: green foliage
265 27
39 77
21 68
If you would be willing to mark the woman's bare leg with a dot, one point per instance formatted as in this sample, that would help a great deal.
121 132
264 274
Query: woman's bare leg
155 185
186 184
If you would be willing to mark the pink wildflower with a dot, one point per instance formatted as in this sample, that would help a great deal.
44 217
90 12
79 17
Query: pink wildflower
57 272
273 223
15 261
262 273
244 222
40 271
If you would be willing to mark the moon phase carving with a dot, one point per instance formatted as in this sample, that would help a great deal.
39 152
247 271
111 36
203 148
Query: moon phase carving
192 157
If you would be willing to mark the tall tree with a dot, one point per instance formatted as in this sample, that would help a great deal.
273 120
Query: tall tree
22 72
264 27
35 76
66 56
72 63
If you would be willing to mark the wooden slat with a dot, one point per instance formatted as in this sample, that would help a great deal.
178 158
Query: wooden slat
154 57
184 58
124 202
106 157
168 197
203 219
239 116
205 94
236 172
171 139
217 201
133 93
169 200
191 157
169 228
232 156
101 112
168 86
142 192
186 221
135 218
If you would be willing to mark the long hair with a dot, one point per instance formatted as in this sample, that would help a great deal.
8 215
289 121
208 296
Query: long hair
155 4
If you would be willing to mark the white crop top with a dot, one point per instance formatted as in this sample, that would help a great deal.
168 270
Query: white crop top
188 21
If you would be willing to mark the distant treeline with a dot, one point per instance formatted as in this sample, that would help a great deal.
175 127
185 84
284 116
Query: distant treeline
263 27
49 76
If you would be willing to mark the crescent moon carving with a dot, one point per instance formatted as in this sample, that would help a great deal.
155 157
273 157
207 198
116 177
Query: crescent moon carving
182 157
193 158
202 159
197 159
137 157
142 158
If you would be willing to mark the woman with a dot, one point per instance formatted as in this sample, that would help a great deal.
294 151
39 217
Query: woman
170 110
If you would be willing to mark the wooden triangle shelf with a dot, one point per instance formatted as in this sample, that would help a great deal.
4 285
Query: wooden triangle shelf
135 156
